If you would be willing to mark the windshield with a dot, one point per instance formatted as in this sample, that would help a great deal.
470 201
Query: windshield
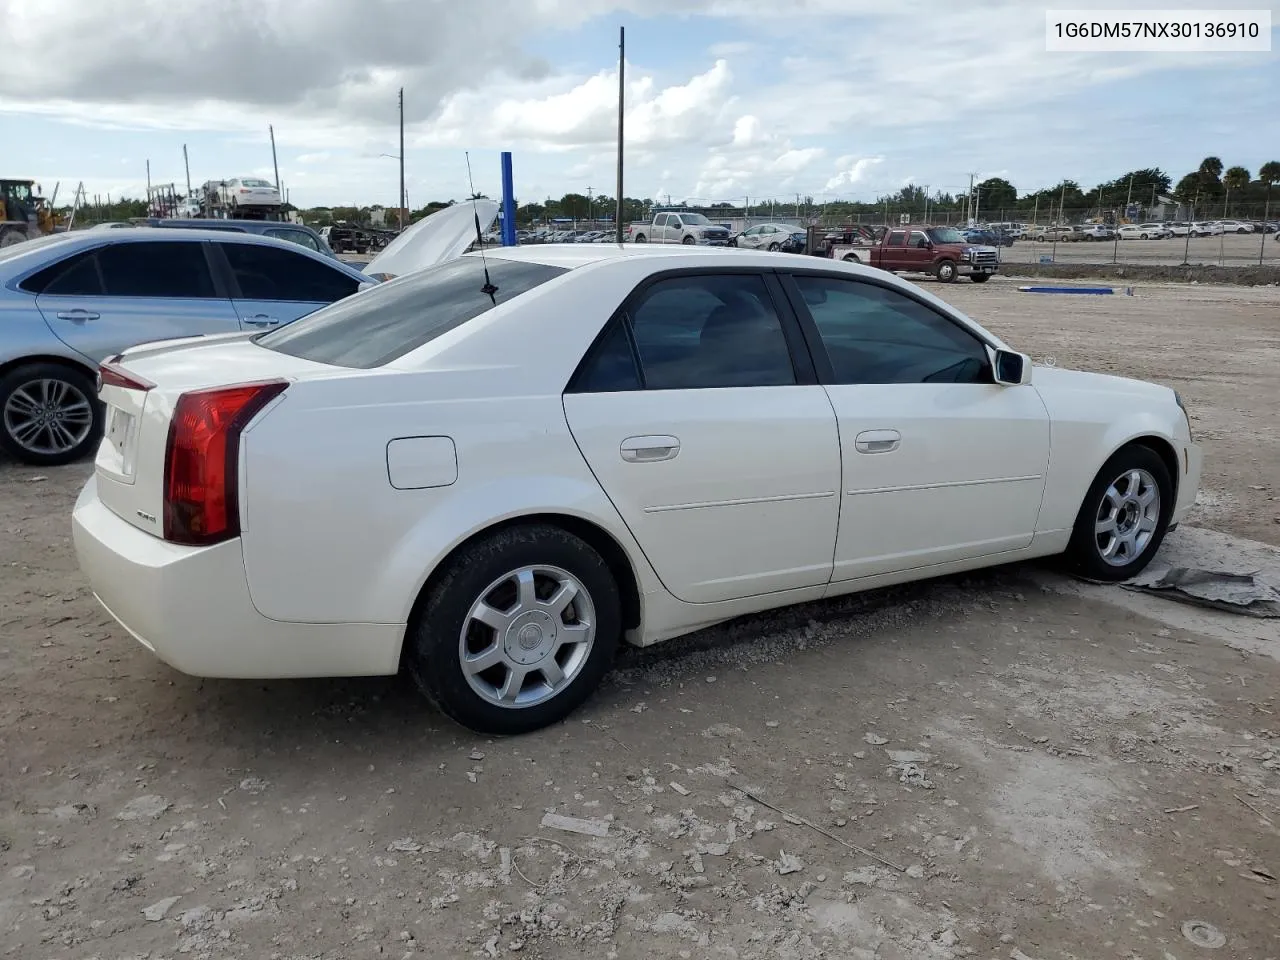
697 218
374 327
945 235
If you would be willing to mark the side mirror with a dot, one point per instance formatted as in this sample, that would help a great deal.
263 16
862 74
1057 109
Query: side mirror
1012 369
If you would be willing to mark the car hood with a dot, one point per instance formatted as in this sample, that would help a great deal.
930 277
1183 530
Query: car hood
445 235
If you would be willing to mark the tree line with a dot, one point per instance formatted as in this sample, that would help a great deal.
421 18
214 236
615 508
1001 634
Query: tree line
1211 190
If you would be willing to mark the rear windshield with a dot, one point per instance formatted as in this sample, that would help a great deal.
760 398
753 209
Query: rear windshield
377 325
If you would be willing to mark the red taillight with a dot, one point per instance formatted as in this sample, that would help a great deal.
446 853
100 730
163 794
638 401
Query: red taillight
110 375
201 461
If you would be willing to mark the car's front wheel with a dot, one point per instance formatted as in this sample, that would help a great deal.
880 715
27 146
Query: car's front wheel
49 414
1124 516
517 631
945 271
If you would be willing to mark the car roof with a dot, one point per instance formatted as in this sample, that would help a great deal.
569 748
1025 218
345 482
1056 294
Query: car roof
143 234
572 255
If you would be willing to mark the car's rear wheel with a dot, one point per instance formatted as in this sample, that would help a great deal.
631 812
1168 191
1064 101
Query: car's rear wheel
517 632
1124 516
49 414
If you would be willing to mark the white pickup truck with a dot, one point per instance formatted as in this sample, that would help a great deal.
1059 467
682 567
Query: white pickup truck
683 227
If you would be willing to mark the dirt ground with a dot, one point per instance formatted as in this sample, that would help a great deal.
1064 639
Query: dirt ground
1003 765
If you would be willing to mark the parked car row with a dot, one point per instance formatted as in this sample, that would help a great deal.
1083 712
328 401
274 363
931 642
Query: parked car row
69 301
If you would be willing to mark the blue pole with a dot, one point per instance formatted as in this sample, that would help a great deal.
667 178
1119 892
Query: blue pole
508 203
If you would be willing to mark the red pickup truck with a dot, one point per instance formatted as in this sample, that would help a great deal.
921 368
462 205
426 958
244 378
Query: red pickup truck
940 251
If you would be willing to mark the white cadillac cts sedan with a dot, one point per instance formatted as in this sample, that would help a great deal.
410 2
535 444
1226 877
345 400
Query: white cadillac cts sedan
494 471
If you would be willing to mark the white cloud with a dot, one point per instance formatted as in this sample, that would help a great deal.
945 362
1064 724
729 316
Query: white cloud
852 170
760 109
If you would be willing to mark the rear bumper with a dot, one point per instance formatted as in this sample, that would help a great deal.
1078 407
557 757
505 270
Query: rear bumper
190 606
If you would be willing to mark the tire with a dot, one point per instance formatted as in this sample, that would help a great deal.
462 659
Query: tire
945 271
773 248
850 258
72 394
640 238
1242 230
1113 493
1142 236
979 277
9 237
444 627
733 241
687 242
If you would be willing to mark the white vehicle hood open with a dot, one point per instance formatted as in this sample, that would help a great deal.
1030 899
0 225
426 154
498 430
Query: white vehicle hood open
442 236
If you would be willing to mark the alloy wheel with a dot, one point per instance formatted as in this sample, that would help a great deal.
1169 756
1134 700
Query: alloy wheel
48 417
527 636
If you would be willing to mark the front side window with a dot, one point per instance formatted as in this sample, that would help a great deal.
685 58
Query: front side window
268 273
391 319
300 237
876 335
694 333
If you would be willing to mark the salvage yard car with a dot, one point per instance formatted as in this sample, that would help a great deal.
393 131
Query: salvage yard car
70 300
681 226
495 470
941 252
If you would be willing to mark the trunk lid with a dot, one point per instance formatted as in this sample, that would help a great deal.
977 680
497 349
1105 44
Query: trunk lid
140 393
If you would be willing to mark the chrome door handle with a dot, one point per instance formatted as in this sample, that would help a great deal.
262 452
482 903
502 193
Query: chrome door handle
261 320
877 441
78 314
649 449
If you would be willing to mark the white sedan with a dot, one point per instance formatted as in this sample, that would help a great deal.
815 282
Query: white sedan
495 470
765 236
1144 231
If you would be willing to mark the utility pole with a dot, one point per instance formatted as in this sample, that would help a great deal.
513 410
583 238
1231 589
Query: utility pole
590 207
187 165
1129 199
926 205
148 182
968 202
275 166
402 159
622 97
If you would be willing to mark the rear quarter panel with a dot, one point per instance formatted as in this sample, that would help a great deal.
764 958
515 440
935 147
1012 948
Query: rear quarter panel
328 539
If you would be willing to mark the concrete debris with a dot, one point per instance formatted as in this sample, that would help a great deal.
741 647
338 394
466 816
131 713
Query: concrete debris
913 776
875 739
471 776
788 864
1017 954
683 791
148 807
157 910
253 785
908 756
588 828
404 845
477 755
915 871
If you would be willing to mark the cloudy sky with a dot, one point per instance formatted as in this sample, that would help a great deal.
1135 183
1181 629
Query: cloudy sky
726 98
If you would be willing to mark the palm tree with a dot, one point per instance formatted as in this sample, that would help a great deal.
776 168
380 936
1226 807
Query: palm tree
1268 173
1236 178
1210 168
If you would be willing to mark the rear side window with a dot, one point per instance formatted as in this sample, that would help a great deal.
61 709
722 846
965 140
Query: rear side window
148 269
75 276
392 319
156 269
269 273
